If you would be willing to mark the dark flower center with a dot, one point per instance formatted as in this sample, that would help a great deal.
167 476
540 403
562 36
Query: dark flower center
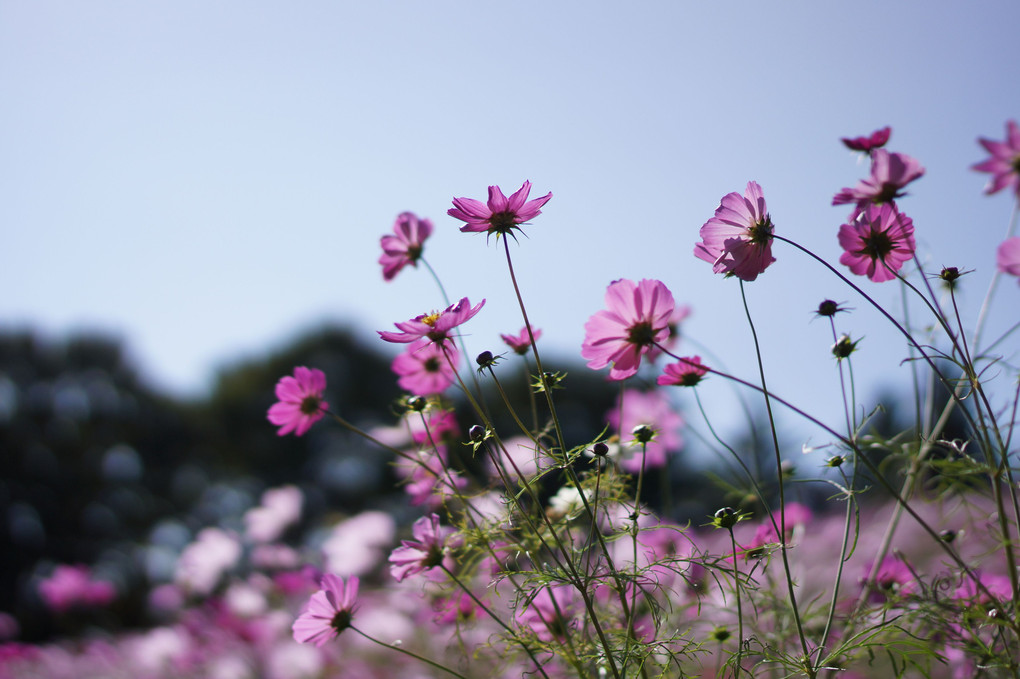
433 558
431 364
413 253
1016 163
690 379
877 245
502 222
889 193
310 405
341 621
760 233
641 334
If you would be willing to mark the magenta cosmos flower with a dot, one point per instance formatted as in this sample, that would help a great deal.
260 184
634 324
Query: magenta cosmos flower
405 247
500 215
426 368
1008 256
890 172
1004 165
300 405
328 612
637 316
436 326
737 241
877 242
686 372
521 342
72 586
877 139
423 553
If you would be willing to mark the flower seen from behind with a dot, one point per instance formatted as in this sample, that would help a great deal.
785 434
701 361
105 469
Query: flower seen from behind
425 552
684 373
636 318
877 242
436 326
737 241
499 215
1004 165
1007 257
300 405
521 342
890 172
328 612
426 368
875 140
405 247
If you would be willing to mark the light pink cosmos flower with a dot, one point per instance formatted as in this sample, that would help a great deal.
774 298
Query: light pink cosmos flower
72 586
877 242
405 247
203 562
280 508
737 241
1004 165
328 613
1007 257
684 373
890 172
637 317
501 214
877 139
425 368
357 545
521 342
300 405
423 553
436 326
651 408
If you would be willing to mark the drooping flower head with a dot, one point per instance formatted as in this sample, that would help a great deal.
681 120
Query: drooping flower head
500 215
685 373
1007 257
890 172
300 405
737 241
521 342
877 242
425 552
875 140
637 316
404 248
436 325
424 369
328 613
1004 165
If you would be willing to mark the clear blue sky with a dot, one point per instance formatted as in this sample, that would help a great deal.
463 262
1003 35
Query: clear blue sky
209 179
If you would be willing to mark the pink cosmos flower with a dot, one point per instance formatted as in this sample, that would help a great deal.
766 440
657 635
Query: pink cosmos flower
893 579
521 342
405 247
877 242
71 586
685 373
877 139
501 214
1004 165
1008 256
203 562
423 553
300 405
425 368
651 408
280 508
328 612
890 172
737 241
637 317
436 325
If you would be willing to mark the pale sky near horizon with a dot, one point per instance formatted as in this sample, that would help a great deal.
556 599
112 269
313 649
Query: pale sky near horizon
208 180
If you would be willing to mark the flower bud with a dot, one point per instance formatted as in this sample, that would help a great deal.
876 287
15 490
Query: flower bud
416 403
643 433
485 359
727 517
844 347
476 432
600 449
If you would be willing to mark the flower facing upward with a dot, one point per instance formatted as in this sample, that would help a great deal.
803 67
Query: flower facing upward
877 242
737 241
890 172
329 611
425 369
1008 256
637 317
300 405
521 342
1004 165
685 373
500 215
406 246
436 325
877 139
423 553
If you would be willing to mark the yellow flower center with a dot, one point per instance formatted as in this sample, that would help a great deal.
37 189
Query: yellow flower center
430 319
